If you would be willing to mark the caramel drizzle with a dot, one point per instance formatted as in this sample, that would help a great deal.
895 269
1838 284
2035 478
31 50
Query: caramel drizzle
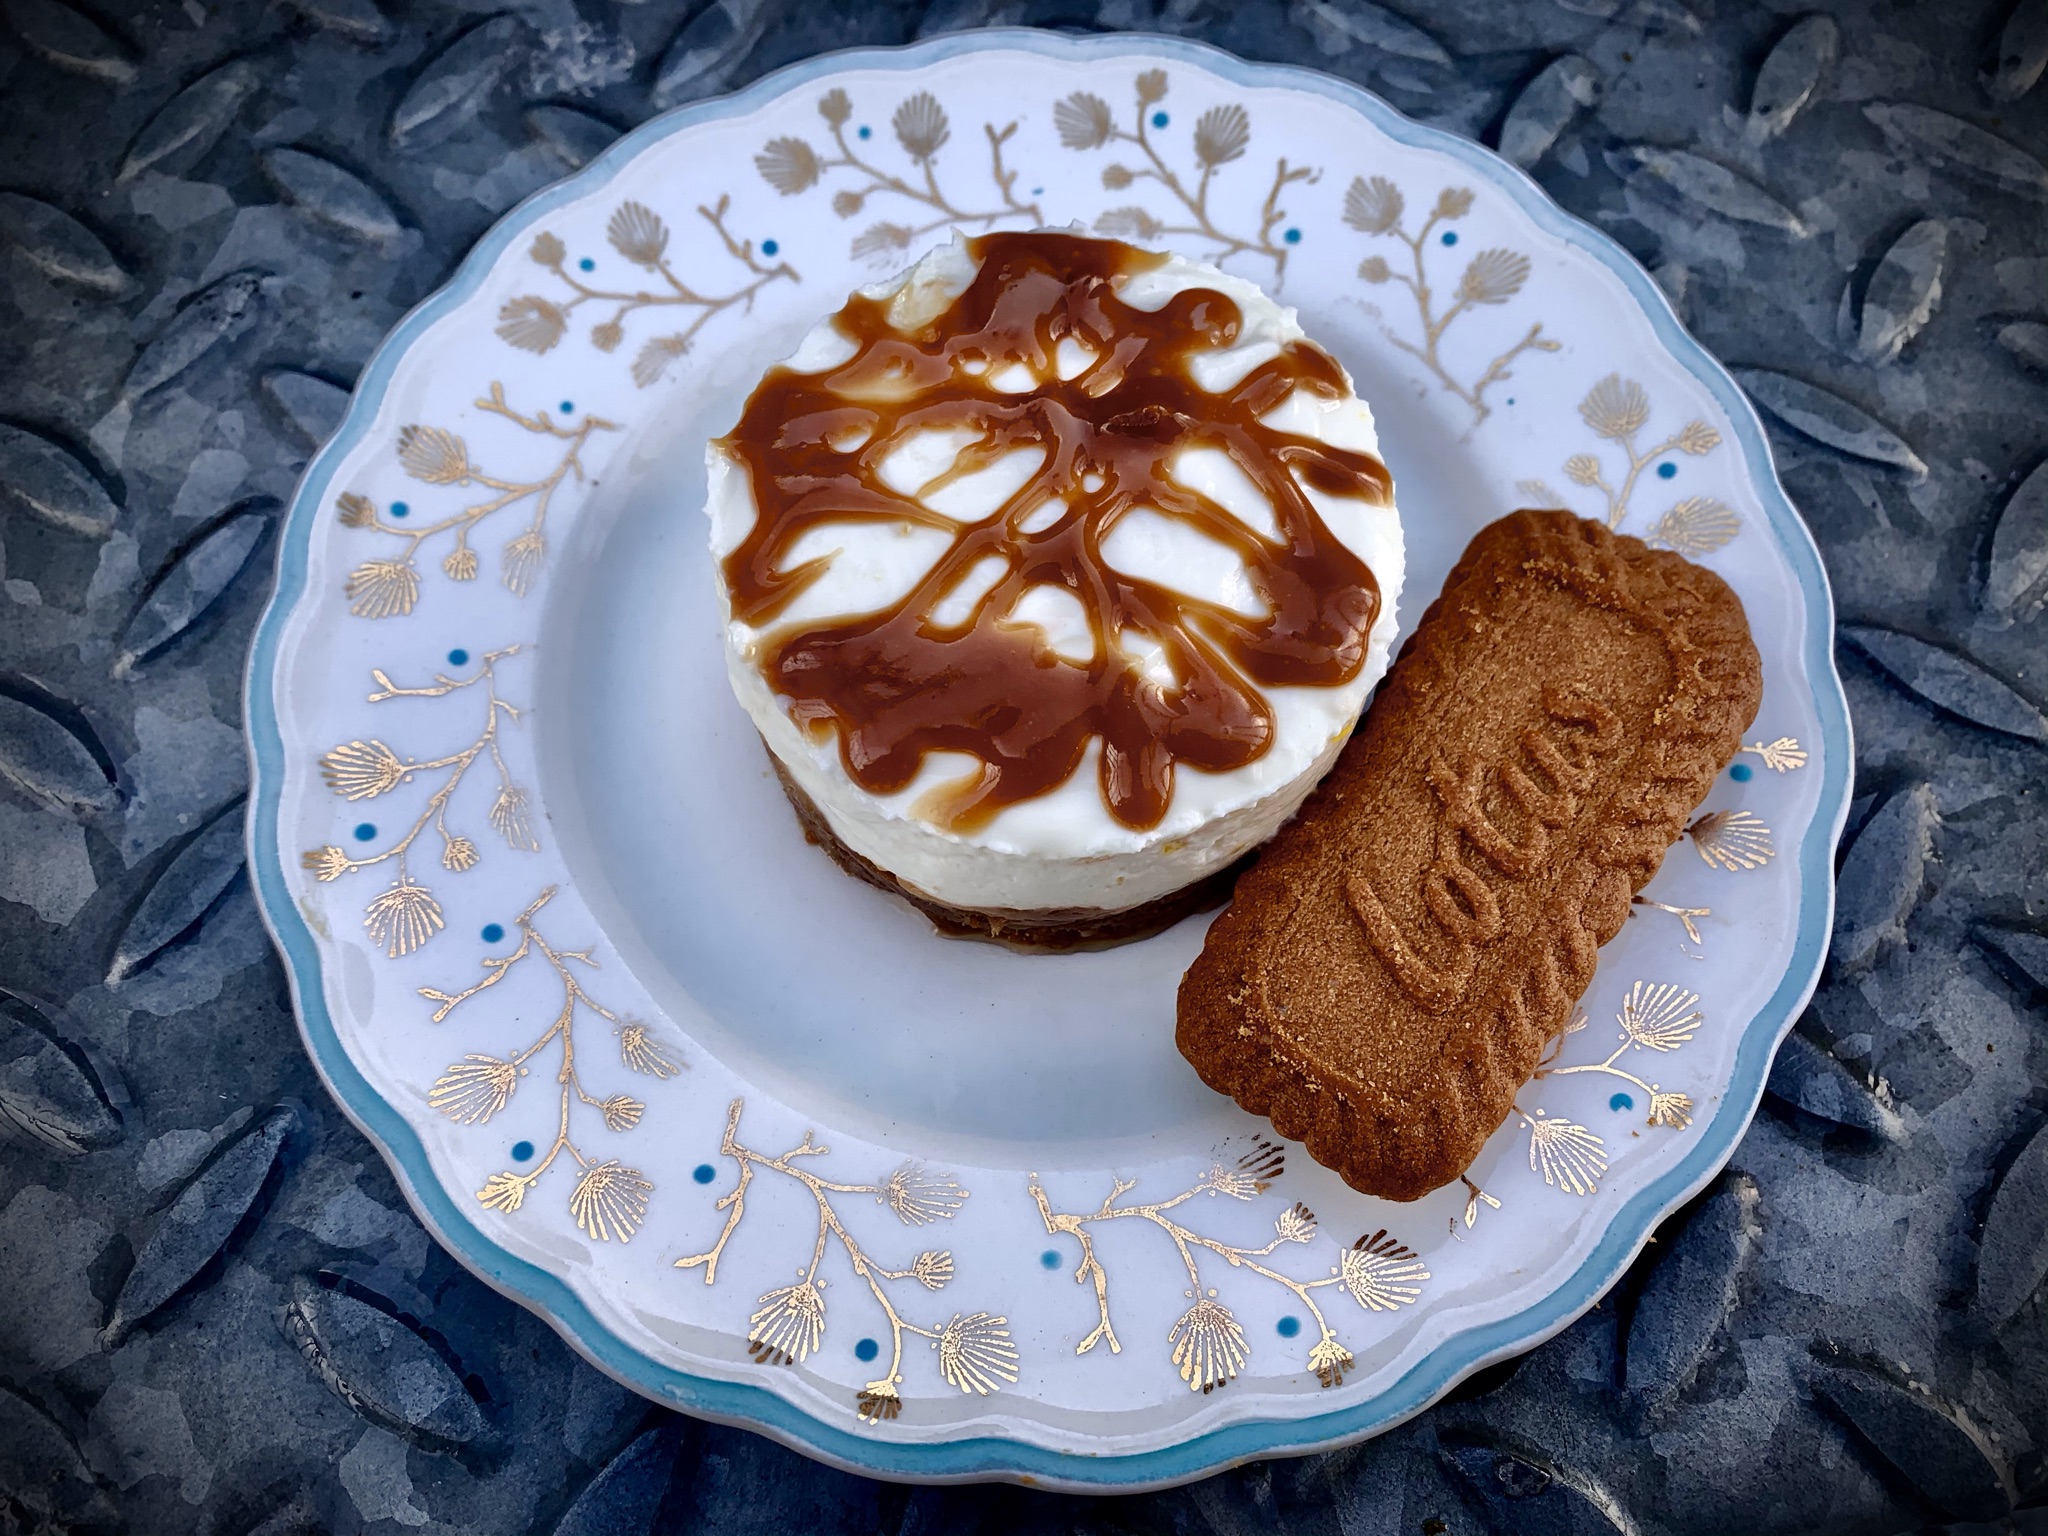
896 685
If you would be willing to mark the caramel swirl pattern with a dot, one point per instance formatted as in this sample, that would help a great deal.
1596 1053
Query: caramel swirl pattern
896 684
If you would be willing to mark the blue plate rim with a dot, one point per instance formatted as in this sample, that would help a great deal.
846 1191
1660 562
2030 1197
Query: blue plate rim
993 1457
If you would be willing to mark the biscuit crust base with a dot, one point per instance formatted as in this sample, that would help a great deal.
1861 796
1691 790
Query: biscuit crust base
1389 973
1050 930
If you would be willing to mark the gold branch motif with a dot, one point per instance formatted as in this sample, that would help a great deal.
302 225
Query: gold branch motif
1222 135
1685 915
1207 1345
1617 409
535 324
405 914
788 1324
388 588
1375 206
1660 1017
608 1199
791 166
1784 755
1474 1198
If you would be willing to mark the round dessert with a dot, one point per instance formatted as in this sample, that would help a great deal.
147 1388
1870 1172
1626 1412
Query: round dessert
1055 574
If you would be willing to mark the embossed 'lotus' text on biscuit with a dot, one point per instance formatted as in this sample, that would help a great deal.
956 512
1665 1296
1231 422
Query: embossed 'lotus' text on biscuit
1460 904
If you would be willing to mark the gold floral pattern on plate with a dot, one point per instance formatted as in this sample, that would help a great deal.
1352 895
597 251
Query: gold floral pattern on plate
1374 206
1685 915
791 166
1207 1344
1659 1017
1732 840
608 1199
389 587
536 323
975 1352
405 915
1784 755
1222 135
1617 410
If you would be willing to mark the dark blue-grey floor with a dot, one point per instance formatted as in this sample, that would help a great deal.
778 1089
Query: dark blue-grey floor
216 1314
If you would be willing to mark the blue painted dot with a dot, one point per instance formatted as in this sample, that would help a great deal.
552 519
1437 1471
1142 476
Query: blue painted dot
769 247
703 1173
1621 1101
458 657
1450 237
365 830
1050 1258
1292 237
587 264
1159 119
568 406
493 932
521 1151
1511 399
865 130
1289 1327
1741 773
866 1349
1666 471
1038 191
399 509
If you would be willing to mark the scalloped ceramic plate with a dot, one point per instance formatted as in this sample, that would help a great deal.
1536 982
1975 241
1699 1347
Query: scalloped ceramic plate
754 1138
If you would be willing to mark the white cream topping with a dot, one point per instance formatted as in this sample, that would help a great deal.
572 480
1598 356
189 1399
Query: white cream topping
1064 849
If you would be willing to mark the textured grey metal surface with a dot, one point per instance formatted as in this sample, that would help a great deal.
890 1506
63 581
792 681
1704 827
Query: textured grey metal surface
215 1312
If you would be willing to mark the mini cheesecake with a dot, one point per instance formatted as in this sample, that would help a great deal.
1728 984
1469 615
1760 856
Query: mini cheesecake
1055 573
